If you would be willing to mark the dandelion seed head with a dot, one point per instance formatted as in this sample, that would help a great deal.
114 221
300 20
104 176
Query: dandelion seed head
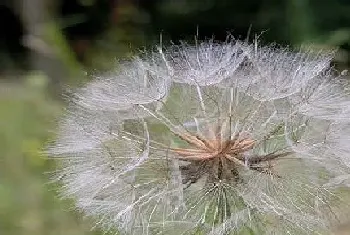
216 138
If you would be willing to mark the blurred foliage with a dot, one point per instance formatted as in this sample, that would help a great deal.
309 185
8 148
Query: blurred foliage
28 204
90 35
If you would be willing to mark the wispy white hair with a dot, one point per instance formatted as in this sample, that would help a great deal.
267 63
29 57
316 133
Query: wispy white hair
115 141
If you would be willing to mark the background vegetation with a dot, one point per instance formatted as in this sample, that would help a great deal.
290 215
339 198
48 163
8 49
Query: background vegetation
46 46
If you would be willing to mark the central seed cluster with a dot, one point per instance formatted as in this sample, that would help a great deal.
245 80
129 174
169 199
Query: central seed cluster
204 149
220 158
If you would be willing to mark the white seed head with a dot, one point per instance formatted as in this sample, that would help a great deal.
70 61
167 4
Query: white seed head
215 138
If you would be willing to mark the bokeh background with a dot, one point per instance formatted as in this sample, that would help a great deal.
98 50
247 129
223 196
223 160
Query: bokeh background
48 47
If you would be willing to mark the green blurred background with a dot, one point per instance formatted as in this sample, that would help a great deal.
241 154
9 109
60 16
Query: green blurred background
47 46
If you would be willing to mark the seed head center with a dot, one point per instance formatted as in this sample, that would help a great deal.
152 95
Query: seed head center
207 149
